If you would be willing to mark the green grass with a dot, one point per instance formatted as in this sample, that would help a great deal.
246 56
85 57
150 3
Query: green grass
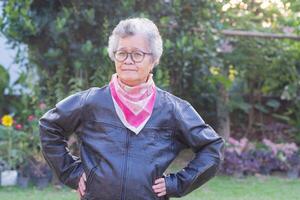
251 188
219 188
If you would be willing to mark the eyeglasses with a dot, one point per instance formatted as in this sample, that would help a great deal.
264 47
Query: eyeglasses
136 56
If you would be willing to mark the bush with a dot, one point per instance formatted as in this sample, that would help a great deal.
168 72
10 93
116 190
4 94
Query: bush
263 158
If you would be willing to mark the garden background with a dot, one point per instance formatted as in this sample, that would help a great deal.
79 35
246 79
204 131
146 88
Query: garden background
236 61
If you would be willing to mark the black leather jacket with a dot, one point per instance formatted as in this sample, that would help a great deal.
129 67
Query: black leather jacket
119 164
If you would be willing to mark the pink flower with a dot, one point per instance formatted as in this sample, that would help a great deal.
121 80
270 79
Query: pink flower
271 145
288 29
287 148
42 106
233 141
19 126
31 118
239 146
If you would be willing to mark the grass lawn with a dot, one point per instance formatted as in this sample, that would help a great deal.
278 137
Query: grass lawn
220 188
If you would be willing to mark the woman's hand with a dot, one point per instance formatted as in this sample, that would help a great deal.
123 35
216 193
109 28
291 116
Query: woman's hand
81 185
159 187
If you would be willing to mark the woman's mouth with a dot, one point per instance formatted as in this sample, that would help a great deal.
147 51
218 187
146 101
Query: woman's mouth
128 69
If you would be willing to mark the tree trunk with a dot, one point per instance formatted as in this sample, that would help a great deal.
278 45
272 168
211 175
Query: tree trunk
223 113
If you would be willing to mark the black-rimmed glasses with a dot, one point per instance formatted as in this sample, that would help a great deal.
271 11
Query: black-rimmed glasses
136 56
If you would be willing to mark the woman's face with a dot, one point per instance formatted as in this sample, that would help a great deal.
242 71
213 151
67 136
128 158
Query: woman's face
130 72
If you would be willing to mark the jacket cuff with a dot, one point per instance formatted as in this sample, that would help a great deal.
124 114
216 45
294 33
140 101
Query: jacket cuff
171 185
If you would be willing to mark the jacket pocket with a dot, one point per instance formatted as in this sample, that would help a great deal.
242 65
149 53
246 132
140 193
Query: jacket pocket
162 137
101 136
90 177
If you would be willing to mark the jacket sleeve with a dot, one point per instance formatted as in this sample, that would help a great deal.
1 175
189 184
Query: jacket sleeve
55 127
205 143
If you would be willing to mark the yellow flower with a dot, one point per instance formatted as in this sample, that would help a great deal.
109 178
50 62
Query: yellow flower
7 120
214 70
232 73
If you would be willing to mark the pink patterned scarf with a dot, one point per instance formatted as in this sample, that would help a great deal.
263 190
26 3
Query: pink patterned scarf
133 105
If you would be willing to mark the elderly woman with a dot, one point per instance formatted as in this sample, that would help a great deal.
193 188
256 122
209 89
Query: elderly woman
129 130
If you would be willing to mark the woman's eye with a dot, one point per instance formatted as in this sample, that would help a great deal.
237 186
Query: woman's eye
121 54
137 54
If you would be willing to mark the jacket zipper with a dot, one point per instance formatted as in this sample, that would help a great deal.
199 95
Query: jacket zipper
125 168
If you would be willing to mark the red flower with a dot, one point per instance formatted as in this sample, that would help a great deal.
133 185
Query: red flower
31 118
19 126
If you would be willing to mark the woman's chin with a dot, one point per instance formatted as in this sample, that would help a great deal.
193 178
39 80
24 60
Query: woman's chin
130 81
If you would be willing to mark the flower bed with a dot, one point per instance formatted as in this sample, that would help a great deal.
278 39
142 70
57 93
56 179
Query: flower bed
242 157
20 148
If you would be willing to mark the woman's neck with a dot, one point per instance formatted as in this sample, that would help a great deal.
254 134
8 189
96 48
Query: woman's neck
134 84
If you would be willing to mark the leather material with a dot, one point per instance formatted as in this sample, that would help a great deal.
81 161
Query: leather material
119 164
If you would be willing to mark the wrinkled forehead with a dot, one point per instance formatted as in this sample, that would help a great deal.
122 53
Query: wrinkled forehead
133 42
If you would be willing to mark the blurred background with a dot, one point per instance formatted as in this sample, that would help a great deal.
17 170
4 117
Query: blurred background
236 61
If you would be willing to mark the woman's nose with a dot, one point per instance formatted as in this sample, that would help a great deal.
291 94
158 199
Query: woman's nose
128 60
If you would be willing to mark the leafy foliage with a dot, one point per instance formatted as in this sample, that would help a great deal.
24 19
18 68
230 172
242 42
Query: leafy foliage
67 45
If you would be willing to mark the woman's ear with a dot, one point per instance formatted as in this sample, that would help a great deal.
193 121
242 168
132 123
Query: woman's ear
156 62
151 70
153 66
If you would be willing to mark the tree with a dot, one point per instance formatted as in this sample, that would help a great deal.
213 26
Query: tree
67 43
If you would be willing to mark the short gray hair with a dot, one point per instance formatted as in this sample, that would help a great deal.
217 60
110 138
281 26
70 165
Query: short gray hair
133 26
